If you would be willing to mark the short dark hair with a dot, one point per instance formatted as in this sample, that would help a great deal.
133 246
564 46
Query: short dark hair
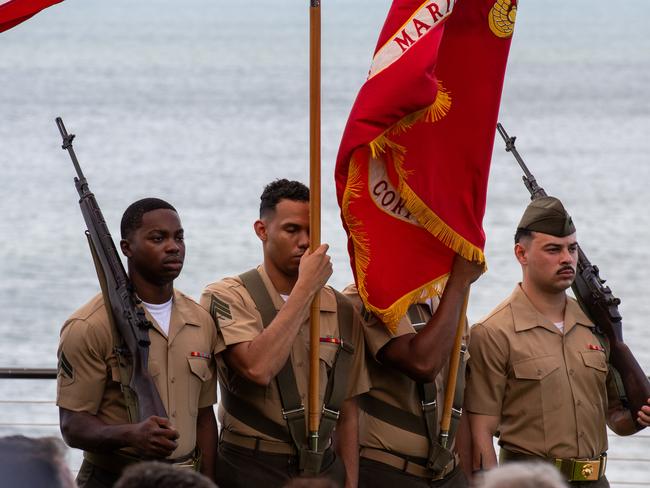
154 474
279 190
522 234
132 217
33 462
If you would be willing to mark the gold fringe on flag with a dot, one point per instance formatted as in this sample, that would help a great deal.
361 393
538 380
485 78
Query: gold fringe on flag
425 216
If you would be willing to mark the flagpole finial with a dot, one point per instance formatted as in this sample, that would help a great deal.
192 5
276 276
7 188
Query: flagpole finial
315 3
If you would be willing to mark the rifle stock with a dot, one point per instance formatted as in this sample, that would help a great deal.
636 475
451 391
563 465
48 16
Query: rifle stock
600 305
121 304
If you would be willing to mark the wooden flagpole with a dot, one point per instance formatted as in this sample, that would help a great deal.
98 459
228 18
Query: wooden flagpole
454 363
314 213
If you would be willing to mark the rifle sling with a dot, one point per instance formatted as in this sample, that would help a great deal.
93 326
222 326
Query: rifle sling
123 366
292 407
616 376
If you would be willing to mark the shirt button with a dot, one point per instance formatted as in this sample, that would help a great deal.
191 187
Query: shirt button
579 403
581 434
571 372
172 380
539 372
173 414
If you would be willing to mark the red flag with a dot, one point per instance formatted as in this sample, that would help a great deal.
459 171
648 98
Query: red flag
13 12
412 169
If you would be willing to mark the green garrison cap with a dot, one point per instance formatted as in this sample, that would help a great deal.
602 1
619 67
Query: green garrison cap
547 215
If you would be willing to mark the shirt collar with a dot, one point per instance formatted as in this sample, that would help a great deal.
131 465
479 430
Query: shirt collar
526 316
182 312
327 300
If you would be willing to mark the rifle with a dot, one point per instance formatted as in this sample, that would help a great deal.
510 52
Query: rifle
599 303
142 397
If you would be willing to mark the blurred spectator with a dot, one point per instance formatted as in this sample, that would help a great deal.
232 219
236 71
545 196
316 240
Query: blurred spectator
522 475
154 474
33 463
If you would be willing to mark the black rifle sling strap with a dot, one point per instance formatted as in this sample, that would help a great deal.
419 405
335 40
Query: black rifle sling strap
616 376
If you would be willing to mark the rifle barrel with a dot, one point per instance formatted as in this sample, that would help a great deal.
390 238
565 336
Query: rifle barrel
529 179
67 144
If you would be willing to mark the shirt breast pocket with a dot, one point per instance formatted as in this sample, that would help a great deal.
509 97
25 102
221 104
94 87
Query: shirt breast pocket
200 373
327 353
538 383
596 362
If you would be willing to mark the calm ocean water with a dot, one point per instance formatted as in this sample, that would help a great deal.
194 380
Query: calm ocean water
202 103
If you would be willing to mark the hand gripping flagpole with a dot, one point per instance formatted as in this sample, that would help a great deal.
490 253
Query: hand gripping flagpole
454 363
314 213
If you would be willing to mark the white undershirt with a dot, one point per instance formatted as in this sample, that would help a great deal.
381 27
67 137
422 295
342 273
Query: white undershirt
161 312
284 297
559 325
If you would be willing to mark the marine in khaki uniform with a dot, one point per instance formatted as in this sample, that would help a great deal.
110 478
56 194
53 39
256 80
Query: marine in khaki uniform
264 424
184 340
538 373
397 440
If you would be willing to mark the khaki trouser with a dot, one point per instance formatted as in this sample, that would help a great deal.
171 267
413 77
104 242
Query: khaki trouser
239 467
373 474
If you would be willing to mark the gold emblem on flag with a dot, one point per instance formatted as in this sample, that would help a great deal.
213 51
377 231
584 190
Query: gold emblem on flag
502 18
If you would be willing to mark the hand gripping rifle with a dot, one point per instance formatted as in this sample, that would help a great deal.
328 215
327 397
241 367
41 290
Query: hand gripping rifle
600 305
128 319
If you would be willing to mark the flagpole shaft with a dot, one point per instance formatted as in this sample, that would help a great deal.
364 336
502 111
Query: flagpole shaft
454 363
314 212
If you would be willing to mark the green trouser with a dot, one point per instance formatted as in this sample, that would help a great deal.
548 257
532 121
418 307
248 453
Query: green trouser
239 467
373 474
91 476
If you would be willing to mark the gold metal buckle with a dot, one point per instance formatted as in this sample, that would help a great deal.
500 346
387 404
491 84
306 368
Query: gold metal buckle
585 470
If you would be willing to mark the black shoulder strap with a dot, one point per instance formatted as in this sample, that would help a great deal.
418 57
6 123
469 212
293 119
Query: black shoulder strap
427 425
293 410
255 286
339 376
251 416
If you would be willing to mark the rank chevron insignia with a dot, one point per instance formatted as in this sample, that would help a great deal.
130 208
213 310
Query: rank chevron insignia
219 309
64 366
502 18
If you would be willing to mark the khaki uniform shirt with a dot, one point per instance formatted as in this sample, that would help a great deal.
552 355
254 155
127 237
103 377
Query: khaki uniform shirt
239 321
550 390
394 387
182 366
